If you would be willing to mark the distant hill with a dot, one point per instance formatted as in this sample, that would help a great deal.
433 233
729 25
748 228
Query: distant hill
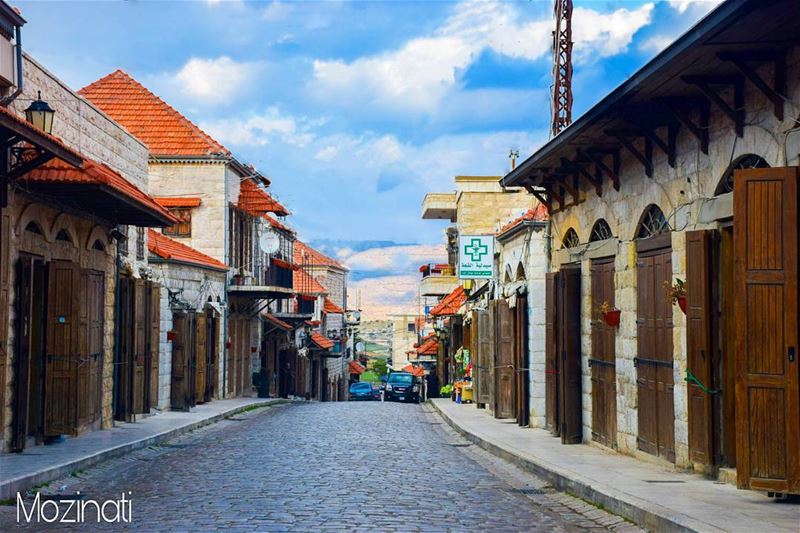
331 246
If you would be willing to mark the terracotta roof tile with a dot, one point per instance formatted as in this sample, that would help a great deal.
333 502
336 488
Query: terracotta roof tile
304 283
354 367
539 213
275 224
450 303
278 322
331 308
256 201
414 370
94 173
176 201
322 341
306 255
163 129
166 248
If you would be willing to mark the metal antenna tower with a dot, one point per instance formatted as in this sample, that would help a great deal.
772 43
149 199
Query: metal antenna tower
562 66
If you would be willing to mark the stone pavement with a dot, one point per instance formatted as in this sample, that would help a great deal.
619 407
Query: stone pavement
366 466
40 464
650 495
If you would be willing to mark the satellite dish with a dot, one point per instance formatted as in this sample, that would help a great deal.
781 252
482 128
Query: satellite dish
360 346
269 242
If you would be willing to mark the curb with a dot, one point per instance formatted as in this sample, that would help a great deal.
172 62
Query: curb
10 488
641 513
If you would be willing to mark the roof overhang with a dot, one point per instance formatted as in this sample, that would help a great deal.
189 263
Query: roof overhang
673 90
520 227
439 206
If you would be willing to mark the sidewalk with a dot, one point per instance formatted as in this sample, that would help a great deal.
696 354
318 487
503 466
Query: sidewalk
40 464
653 498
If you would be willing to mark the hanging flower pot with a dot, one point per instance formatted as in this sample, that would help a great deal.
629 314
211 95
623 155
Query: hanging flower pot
682 303
611 317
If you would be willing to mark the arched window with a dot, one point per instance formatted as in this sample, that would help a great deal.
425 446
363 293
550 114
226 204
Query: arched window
601 231
99 246
520 273
653 222
33 227
571 239
740 163
62 235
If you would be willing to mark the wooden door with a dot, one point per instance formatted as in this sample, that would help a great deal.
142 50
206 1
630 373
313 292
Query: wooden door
484 353
212 349
569 328
655 383
82 367
5 292
153 340
139 356
180 364
23 333
504 362
521 363
191 357
727 377
491 359
90 351
123 365
552 418
63 301
700 350
766 314
603 360
201 371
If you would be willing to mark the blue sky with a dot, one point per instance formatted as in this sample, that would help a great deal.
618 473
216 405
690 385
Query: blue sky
356 109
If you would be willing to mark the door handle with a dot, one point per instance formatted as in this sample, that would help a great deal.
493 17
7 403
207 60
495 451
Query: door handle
791 354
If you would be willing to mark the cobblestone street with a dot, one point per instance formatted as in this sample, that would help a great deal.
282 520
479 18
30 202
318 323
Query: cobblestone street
324 467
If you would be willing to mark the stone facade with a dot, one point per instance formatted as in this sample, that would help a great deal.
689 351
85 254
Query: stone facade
686 195
405 335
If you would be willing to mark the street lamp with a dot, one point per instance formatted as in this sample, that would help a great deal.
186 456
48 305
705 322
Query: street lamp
40 114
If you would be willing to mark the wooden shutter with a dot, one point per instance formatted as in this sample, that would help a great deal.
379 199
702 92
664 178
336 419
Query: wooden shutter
645 373
82 368
522 368
5 271
504 362
63 300
699 346
200 374
139 346
491 359
154 340
484 353
179 363
97 297
551 353
570 360
603 361
766 314
23 360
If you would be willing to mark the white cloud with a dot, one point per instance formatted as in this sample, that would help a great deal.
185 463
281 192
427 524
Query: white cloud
394 258
681 6
420 74
277 11
261 130
215 80
326 153
380 297
656 43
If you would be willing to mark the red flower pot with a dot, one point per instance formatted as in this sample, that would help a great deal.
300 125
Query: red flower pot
682 303
172 335
612 317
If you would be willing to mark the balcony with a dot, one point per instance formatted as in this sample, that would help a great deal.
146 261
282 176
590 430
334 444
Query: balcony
280 274
276 281
439 206
437 280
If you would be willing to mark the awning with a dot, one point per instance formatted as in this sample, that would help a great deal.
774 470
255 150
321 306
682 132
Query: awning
354 367
476 294
414 370
331 308
450 303
321 341
275 321
260 291
98 189
165 249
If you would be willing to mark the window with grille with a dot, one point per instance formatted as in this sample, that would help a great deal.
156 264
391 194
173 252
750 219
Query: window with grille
571 239
184 227
601 231
653 223
741 163
140 244
122 243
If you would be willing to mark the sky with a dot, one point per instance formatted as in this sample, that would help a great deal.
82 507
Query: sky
356 109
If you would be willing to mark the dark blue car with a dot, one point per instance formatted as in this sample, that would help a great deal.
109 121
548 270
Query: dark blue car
361 391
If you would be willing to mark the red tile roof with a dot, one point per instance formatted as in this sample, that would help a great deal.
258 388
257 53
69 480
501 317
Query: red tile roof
94 173
313 323
165 131
450 303
306 255
322 341
331 308
414 370
354 367
539 214
278 322
256 201
166 248
304 283
275 224
429 345
175 201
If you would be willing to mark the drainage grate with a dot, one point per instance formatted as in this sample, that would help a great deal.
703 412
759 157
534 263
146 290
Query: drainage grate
663 481
527 492
458 445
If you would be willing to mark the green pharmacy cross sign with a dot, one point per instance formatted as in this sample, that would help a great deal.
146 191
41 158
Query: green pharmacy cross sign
476 256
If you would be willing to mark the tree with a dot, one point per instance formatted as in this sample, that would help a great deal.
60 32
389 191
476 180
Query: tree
379 366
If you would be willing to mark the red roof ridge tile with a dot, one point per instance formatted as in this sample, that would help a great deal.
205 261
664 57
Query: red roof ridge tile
170 249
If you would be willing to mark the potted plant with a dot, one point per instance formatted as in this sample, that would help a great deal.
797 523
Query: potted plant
676 293
610 314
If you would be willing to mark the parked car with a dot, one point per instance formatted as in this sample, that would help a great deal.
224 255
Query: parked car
402 387
376 392
361 391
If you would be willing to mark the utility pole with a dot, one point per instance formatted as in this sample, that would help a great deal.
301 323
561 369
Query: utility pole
562 66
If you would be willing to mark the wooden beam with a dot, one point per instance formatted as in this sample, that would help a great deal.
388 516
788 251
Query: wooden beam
544 201
776 92
646 158
612 173
700 131
735 112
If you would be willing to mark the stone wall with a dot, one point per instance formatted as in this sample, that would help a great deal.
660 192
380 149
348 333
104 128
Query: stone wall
686 195
483 213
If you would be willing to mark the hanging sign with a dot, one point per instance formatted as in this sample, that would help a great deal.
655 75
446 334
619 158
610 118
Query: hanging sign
476 256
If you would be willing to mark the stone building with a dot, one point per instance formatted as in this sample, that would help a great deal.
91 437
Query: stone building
66 202
406 333
683 178
207 188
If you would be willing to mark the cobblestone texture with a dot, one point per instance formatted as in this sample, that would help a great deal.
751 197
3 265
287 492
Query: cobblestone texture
325 467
